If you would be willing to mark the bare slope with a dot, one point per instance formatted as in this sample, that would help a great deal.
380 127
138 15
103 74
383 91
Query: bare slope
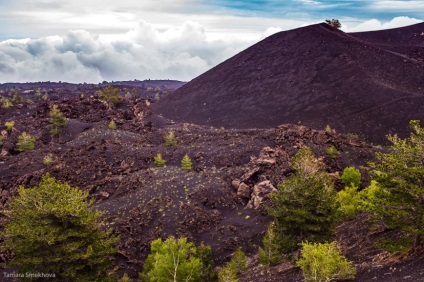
315 75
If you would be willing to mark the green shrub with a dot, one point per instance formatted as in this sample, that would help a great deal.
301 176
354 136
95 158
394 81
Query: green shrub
351 177
172 260
347 201
186 163
57 120
7 103
17 98
25 142
332 152
9 125
110 95
324 262
170 140
112 125
52 229
48 159
1 140
159 161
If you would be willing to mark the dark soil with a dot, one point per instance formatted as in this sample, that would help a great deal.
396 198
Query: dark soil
370 84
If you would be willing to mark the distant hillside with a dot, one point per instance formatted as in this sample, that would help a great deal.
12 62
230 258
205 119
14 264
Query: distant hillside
368 83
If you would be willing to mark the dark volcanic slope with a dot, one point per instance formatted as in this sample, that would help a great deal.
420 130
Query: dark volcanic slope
368 83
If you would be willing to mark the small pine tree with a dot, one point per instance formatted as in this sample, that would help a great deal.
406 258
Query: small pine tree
398 199
204 253
25 142
52 229
159 161
328 129
57 120
305 206
324 262
112 125
186 163
9 125
270 253
170 140
110 95
235 266
332 152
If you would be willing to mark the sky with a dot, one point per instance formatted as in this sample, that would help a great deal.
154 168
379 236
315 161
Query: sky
95 40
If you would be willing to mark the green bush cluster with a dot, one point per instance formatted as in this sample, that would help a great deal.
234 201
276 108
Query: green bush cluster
324 262
177 260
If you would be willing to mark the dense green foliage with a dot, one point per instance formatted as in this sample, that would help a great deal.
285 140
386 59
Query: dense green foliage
204 253
348 201
398 199
25 142
351 177
324 262
170 140
186 163
110 95
235 266
172 260
305 206
158 161
270 253
57 120
52 229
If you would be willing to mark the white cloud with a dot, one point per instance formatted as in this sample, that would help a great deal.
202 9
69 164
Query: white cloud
144 52
398 6
374 24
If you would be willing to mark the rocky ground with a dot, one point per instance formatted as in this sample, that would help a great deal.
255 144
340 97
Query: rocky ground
221 202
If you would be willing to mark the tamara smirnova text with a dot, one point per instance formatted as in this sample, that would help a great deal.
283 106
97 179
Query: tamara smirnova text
28 275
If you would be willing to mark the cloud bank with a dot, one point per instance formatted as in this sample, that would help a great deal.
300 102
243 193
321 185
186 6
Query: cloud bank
143 52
